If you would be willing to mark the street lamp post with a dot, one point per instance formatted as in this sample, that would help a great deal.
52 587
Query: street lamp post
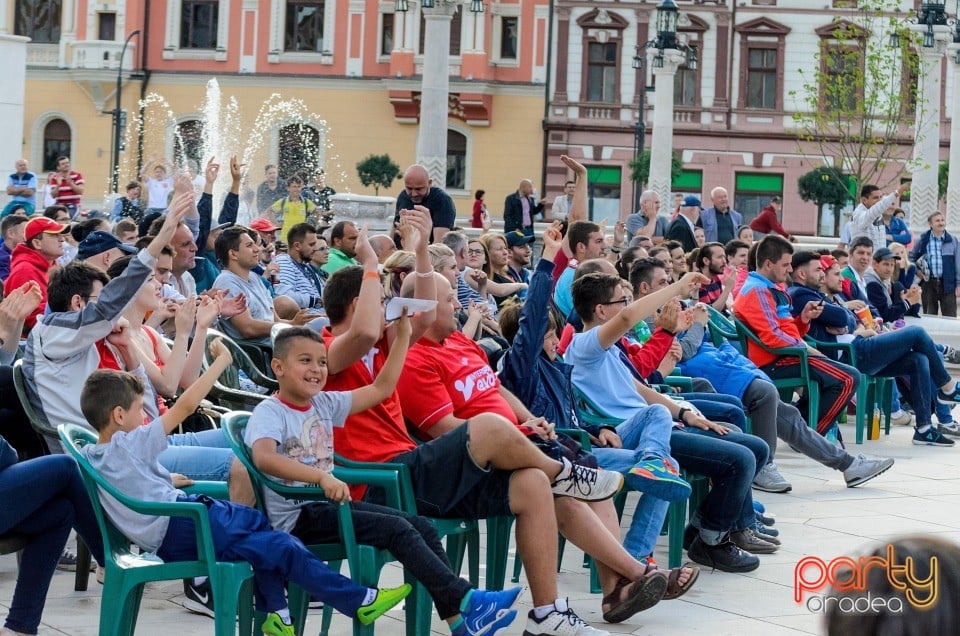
640 129
435 84
119 115
666 55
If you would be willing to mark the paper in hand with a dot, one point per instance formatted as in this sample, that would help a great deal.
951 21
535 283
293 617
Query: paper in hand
396 304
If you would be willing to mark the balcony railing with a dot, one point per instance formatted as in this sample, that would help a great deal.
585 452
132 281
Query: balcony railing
43 55
101 55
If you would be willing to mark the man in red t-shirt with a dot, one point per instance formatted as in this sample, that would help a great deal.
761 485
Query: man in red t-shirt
485 469
66 185
447 383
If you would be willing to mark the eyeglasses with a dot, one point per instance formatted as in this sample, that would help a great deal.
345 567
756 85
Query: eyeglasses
475 252
625 300
323 249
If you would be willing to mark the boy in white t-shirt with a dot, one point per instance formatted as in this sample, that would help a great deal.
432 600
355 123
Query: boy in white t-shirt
126 455
291 437
159 187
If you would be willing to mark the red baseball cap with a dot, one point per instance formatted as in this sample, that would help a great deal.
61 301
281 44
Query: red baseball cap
43 225
263 225
827 261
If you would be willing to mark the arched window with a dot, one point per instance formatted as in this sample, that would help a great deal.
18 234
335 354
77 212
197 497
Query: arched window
56 143
299 151
188 143
38 19
456 160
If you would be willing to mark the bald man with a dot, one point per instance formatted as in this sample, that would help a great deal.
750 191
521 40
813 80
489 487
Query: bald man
383 247
418 189
519 209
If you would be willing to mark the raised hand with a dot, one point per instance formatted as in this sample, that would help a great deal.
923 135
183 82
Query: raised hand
552 240
213 170
691 282
574 165
669 316
220 351
403 329
619 233
365 254
230 307
207 312
186 315
236 168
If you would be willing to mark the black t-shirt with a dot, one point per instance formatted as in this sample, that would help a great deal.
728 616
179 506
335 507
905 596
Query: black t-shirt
442 211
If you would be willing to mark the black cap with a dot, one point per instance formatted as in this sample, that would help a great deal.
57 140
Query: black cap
99 242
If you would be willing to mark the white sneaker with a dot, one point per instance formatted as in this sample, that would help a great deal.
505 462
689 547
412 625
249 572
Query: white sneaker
901 419
588 484
562 621
864 468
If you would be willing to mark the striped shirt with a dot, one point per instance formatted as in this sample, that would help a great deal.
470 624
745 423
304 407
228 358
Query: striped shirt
935 256
712 291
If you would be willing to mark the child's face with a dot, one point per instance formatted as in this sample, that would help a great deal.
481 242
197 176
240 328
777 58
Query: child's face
302 373
550 342
132 417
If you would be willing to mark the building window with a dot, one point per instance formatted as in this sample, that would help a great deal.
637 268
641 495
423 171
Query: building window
198 24
839 91
685 87
188 143
602 72
761 78
386 34
107 26
304 26
56 143
603 192
509 37
762 47
456 160
456 26
753 192
38 19
299 151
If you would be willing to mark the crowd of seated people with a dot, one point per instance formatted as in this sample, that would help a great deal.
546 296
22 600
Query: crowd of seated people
483 395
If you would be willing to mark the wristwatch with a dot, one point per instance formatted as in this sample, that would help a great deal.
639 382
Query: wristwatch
683 411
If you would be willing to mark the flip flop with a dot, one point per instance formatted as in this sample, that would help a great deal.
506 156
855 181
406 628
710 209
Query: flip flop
648 590
674 588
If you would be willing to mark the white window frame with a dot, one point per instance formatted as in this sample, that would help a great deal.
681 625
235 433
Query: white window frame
386 11
278 26
171 47
499 11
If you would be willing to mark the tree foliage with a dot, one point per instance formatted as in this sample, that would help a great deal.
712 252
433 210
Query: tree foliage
378 171
825 185
857 104
943 172
640 167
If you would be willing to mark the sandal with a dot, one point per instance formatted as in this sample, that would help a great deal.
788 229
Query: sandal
674 588
648 589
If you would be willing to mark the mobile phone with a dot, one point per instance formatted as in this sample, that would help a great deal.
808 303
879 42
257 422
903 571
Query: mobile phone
822 301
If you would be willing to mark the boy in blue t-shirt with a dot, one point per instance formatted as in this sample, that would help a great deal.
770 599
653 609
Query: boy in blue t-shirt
291 437
126 455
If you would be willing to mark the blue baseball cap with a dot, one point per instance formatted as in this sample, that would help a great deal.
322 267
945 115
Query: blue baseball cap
690 201
99 242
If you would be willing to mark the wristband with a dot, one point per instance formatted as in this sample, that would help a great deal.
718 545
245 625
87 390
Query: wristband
683 411
424 274
372 276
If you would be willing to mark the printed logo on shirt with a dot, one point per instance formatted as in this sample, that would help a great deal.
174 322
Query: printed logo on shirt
479 381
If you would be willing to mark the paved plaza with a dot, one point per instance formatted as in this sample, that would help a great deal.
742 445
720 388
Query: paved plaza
820 517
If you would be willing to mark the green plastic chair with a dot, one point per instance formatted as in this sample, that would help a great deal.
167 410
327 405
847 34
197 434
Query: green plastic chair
226 390
365 561
127 573
786 386
870 390
721 328
50 437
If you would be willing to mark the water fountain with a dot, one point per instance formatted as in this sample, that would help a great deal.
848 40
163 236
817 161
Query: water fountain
225 132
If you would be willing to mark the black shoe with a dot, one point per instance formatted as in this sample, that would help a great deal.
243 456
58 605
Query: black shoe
951 398
764 519
689 534
725 556
199 598
931 437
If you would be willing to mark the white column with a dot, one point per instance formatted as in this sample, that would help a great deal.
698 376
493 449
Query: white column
926 147
5 26
435 91
953 177
661 141
13 52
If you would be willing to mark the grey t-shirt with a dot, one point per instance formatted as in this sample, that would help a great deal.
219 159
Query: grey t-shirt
637 221
129 462
303 435
258 298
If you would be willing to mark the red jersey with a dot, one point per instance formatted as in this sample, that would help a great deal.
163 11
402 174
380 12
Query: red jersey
377 434
452 377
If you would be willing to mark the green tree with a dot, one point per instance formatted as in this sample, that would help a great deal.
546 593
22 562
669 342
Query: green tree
825 185
943 172
857 105
378 171
640 167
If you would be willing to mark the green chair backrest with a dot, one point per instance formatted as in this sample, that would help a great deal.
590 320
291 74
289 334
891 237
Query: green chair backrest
227 387
591 413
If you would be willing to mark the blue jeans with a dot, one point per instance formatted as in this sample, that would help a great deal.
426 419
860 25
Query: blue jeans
731 462
908 351
204 456
43 499
645 435
244 534
719 407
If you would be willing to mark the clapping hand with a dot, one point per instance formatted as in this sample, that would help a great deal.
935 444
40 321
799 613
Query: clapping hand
207 311
186 316
213 170
220 351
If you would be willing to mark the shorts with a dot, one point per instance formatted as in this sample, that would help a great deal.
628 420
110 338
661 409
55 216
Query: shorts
447 483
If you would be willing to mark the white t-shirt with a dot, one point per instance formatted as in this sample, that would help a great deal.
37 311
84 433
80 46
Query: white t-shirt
158 192
305 435
129 462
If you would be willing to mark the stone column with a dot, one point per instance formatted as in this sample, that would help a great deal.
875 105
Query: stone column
926 147
13 52
435 91
661 141
953 177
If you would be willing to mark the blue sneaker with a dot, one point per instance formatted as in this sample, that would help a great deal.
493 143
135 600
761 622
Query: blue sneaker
759 507
485 613
949 398
658 478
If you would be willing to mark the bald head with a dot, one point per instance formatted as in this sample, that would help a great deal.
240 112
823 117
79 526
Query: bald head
416 183
526 187
383 246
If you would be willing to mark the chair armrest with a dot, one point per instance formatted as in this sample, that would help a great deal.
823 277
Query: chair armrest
399 494
684 383
582 437
212 489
